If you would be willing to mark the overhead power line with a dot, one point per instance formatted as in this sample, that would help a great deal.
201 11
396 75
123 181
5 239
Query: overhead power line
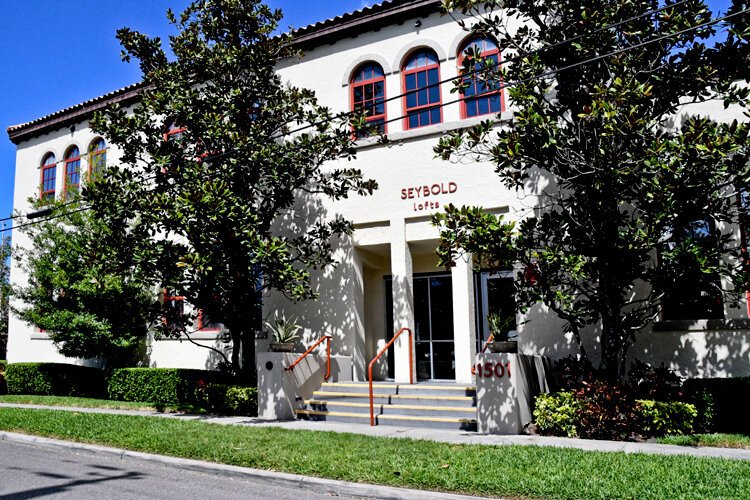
503 86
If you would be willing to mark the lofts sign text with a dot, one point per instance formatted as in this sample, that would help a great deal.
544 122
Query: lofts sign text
424 196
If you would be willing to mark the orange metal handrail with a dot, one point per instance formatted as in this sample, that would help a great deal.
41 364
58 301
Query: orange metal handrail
328 338
486 345
411 366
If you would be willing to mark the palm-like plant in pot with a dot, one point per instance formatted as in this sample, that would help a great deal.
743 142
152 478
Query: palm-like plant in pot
284 332
503 330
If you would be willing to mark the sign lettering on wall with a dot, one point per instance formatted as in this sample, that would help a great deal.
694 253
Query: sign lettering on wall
425 195
489 370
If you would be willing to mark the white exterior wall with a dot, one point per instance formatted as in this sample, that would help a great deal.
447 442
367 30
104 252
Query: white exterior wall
393 235
26 343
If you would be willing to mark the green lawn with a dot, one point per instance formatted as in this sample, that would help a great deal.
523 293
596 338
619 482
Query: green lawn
79 402
525 471
719 440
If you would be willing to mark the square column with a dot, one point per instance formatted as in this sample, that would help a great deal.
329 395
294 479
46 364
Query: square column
464 322
403 300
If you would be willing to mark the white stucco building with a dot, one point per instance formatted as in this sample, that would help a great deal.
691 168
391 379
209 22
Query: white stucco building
388 276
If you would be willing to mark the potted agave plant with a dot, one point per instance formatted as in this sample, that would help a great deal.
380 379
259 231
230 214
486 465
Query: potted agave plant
503 330
284 332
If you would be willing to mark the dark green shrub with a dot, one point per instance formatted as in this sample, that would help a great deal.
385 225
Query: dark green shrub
570 373
654 382
556 414
226 399
659 418
607 411
55 379
160 386
723 404
3 385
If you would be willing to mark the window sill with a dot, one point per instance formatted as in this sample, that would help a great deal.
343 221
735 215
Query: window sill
701 325
39 336
434 130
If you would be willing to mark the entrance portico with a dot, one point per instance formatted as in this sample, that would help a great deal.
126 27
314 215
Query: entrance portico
404 287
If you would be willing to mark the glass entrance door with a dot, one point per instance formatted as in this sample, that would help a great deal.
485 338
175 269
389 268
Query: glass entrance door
495 297
433 326
433 322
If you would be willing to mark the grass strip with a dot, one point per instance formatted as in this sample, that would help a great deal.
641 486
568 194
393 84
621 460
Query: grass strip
527 471
75 402
717 440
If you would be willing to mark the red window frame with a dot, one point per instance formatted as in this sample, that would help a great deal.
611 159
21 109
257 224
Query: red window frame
100 152
472 79
172 131
48 194
74 161
370 82
202 327
173 298
415 71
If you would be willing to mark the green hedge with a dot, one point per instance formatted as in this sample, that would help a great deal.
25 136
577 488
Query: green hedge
161 386
662 418
564 414
55 379
226 399
3 385
557 413
723 403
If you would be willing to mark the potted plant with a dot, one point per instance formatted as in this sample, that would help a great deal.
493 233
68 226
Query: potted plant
284 332
503 330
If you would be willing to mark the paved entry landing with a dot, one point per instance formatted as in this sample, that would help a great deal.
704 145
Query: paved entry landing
426 404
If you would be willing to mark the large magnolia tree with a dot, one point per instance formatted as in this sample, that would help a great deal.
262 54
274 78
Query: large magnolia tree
85 288
636 211
213 166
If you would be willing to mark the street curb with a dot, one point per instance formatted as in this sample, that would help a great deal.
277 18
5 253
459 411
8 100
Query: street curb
270 478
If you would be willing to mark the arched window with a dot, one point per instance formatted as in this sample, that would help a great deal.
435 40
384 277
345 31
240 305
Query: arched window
72 172
368 96
421 75
480 97
97 156
49 177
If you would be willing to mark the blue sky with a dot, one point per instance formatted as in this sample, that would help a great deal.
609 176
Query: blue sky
58 53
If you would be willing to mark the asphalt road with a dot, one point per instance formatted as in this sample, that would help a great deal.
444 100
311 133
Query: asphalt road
31 471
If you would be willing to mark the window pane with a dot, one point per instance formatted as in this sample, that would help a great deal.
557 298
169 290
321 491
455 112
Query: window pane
368 92
432 76
413 120
379 107
495 103
411 100
471 108
357 94
421 79
434 95
424 117
411 81
379 89
435 115
484 106
422 97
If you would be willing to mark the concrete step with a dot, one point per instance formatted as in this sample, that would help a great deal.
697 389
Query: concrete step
394 409
402 389
468 424
406 399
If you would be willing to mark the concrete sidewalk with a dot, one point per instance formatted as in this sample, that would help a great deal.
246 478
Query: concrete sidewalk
423 433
